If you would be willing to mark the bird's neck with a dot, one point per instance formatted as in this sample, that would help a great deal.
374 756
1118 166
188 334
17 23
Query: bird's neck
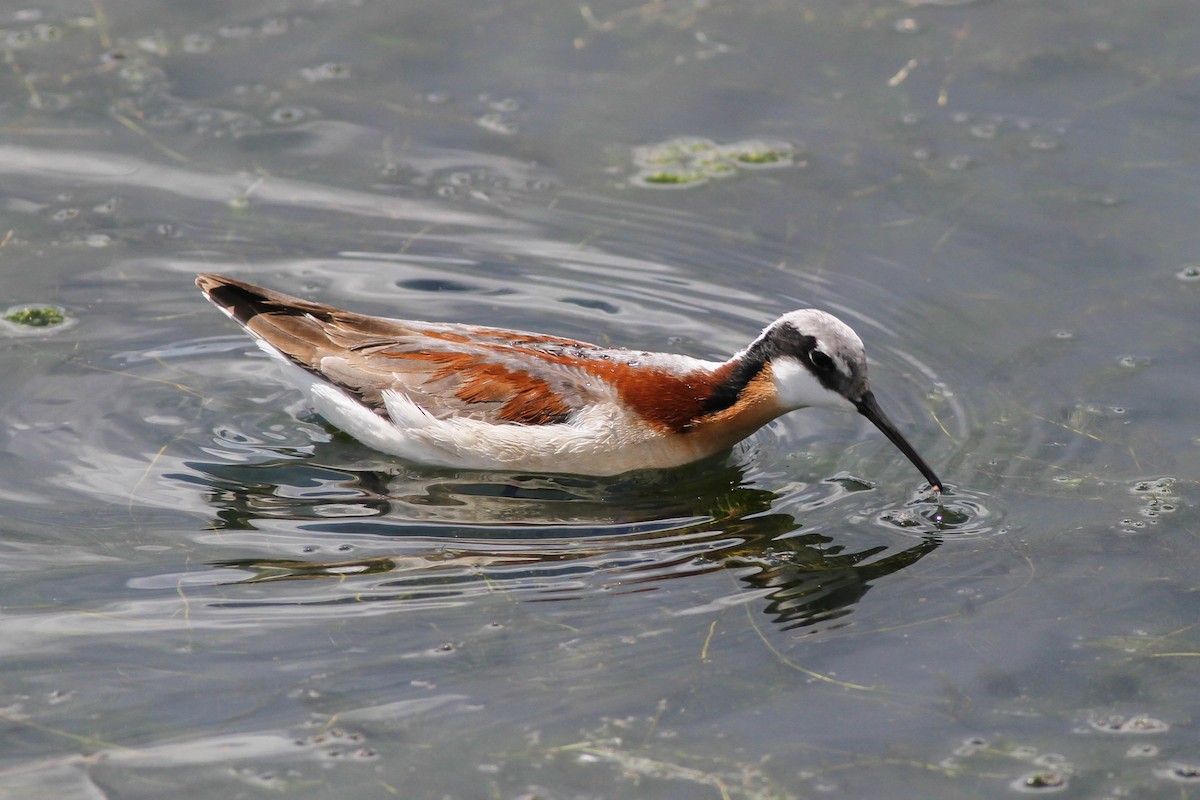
721 405
733 377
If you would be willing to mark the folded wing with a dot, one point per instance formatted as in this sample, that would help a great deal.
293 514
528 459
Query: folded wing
447 371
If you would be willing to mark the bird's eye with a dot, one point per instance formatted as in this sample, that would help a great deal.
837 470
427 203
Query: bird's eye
821 361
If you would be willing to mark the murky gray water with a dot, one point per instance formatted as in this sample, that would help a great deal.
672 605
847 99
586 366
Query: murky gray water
207 592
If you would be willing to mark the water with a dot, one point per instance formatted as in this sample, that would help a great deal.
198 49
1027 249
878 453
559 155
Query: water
208 591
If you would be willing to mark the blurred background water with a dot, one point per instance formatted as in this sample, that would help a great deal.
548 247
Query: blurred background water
208 592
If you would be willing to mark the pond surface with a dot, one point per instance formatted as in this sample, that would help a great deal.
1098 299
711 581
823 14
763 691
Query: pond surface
207 592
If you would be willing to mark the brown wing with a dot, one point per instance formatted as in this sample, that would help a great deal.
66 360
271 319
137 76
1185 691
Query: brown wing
490 374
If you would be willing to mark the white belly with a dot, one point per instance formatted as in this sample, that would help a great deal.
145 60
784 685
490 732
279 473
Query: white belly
599 441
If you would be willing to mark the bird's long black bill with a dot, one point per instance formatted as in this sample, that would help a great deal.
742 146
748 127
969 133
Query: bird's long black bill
869 408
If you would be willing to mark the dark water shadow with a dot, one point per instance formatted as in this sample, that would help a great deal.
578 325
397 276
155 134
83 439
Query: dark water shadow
428 536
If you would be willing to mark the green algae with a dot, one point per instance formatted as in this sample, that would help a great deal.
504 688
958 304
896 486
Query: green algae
687 161
36 316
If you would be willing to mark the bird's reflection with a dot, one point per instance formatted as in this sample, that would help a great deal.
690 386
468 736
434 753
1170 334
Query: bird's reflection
545 538
811 581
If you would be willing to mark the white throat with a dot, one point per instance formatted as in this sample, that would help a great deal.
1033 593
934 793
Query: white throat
799 388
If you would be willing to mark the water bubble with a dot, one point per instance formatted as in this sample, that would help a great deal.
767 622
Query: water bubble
329 71
1189 273
289 115
901 519
59 696
959 163
496 123
907 25
1041 141
65 214
504 105
1182 773
1139 724
155 45
1042 781
1142 751
969 747
948 516
1162 485
1064 333
985 130
1051 760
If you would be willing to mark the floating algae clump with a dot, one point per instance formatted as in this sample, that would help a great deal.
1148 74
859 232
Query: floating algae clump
36 316
672 178
689 161
759 153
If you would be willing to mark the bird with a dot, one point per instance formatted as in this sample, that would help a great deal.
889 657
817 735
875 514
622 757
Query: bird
474 397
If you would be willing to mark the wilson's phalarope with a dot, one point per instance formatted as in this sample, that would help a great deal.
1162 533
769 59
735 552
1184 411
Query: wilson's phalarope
485 398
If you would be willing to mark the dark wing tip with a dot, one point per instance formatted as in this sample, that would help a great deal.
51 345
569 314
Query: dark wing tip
244 301
208 282
240 300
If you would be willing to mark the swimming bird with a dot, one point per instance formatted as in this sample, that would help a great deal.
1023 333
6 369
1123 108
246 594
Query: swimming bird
474 397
